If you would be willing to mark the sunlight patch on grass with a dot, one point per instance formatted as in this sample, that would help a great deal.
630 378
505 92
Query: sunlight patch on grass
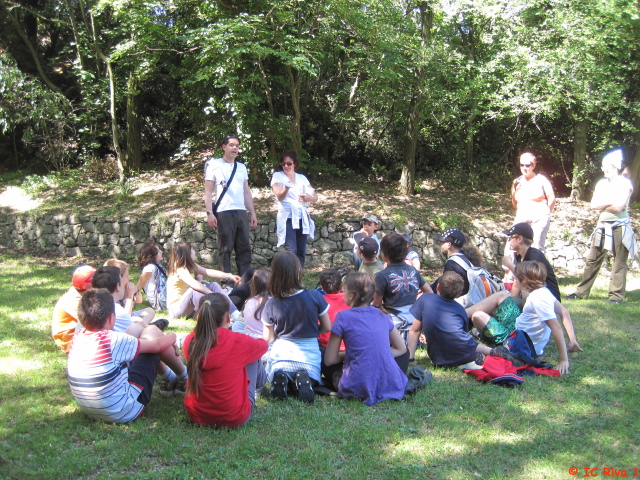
14 365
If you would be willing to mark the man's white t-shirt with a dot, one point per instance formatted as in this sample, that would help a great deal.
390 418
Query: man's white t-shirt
218 171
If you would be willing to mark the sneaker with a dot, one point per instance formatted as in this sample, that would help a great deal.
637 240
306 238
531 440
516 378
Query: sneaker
180 388
480 358
161 323
279 385
503 352
167 388
303 384
573 296
613 302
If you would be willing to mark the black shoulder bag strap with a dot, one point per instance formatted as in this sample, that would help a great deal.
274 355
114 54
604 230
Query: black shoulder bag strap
225 188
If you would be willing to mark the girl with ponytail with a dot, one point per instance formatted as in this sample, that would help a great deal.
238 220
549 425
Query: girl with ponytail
226 367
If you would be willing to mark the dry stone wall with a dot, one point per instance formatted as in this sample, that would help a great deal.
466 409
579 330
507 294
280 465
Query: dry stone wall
122 236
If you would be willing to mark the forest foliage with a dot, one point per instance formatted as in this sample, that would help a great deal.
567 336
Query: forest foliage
398 89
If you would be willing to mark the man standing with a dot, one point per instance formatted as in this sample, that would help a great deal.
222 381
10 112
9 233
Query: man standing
232 199
613 232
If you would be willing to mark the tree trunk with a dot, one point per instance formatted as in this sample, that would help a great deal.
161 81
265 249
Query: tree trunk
635 165
470 131
134 126
408 177
296 135
579 159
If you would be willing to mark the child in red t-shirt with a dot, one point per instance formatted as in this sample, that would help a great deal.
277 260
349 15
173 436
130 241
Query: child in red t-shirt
224 367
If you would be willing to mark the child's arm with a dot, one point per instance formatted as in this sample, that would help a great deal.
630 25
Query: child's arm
426 288
507 261
144 279
412 339
157 344
332 354
186 277
377 300
558 337
397 343
216 274
129 297
325 323
269 334
562 312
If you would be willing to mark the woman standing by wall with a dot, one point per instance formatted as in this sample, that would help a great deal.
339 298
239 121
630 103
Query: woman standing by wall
294 193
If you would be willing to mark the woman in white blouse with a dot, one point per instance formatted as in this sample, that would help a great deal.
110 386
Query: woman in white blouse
294 193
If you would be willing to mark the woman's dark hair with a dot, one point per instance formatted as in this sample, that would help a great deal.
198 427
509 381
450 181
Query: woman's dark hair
211 314
147 254
360 285
286 275
181 258
260 288
290 154
394 247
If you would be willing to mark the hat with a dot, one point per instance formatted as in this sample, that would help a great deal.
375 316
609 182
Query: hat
613 158
371 218
523 229
453 235
82 276
368 247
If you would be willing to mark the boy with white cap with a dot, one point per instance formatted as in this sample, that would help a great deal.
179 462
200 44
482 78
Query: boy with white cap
613 232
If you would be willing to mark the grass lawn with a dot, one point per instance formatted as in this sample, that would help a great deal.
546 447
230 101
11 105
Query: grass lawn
453 428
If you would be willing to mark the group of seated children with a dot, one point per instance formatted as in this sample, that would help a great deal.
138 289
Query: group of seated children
343 334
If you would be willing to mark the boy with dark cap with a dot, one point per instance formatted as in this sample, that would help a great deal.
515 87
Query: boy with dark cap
520 241
368 250
451 243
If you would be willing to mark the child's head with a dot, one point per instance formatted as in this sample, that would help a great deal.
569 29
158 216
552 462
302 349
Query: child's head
394 248
213 313
531 275
122 266
473 255
96 306
450 285
149 253
451 240
82 276
107 277
260 282
358 289
331 281
370 223
181 257
368 248
520 233
247 276
286 275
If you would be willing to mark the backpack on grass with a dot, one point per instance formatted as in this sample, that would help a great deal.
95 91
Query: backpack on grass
481 283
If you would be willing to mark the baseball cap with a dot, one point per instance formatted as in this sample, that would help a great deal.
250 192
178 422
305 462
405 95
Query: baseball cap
82 275
369 247
453 235
371 218
523 229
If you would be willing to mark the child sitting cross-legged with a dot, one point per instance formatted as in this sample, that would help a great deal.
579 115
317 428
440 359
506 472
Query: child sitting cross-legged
370 372
111 373
224 367
538 318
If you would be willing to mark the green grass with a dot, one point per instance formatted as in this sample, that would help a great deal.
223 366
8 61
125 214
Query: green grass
454 428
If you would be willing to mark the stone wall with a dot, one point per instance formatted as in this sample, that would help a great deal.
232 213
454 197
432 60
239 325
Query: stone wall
102 237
